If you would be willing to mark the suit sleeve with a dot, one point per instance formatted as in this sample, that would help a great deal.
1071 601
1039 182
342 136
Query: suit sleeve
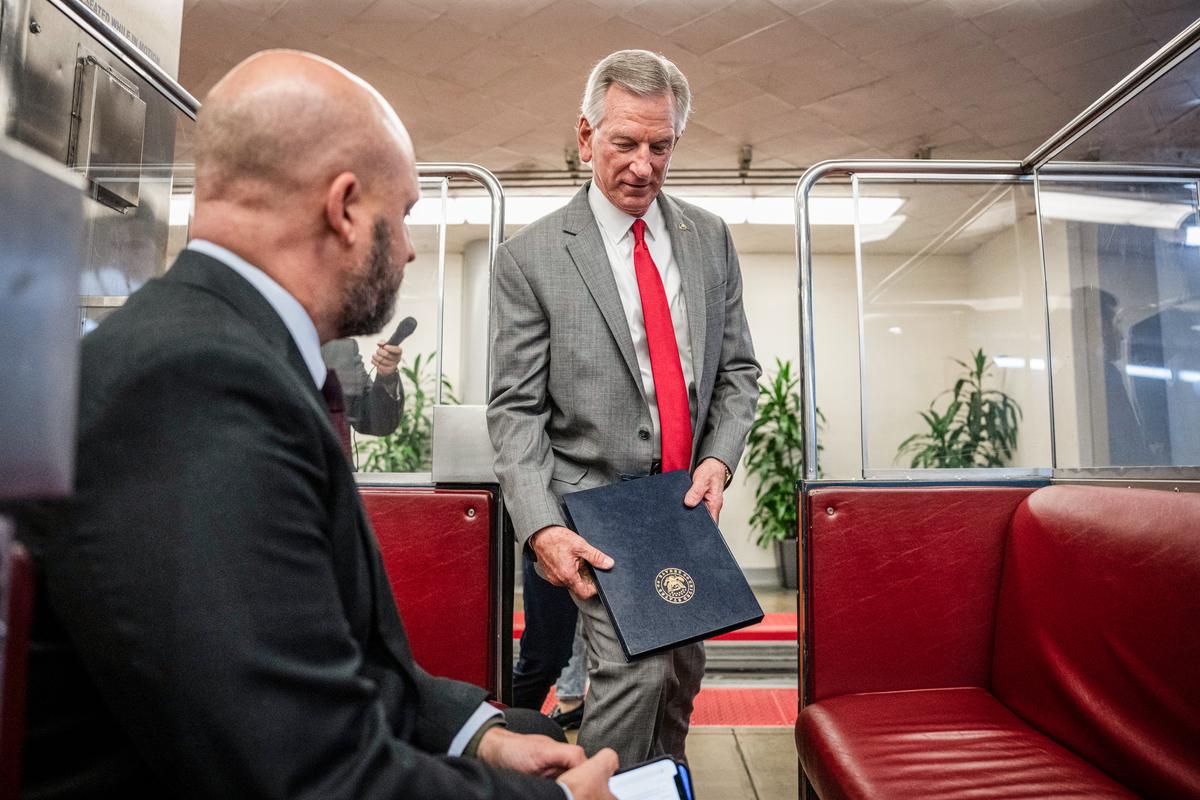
201 592
735 390
518 408
375 412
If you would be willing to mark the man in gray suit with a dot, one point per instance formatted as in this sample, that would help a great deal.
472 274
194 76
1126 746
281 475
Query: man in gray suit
620 348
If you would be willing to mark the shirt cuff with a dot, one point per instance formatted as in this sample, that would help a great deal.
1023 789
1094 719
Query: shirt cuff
566 791
459 743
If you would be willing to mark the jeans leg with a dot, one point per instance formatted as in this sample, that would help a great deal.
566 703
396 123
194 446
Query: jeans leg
550 617
572 683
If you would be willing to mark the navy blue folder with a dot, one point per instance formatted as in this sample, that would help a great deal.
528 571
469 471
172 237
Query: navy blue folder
674 580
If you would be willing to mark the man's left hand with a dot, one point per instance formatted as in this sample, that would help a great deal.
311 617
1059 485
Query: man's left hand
386 357
708 484
530 753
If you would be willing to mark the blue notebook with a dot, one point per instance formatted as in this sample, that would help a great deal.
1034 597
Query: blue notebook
674 580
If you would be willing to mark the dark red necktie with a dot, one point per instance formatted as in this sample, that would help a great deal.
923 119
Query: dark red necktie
674 416
335 401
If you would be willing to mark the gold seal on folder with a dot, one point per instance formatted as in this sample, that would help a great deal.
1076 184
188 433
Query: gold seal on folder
674 585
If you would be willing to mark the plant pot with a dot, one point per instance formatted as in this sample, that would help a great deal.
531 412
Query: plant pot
787 558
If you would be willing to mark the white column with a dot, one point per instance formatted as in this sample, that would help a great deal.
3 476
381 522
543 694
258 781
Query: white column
476 273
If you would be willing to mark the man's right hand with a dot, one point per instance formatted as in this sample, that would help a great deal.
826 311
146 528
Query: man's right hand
589 781
561 552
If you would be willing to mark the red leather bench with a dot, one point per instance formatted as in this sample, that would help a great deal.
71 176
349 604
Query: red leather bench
440 550
1000 642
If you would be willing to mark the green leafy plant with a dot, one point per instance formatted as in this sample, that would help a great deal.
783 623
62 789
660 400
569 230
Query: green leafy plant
977 428
409 448
775 455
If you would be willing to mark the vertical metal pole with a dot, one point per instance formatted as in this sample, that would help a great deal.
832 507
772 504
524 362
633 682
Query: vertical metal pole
1037 200
441 292
862 327
808 389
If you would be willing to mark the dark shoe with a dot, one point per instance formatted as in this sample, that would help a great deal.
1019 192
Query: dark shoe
568 720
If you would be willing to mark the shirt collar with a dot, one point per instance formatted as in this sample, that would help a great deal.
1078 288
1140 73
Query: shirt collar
294 317
616 223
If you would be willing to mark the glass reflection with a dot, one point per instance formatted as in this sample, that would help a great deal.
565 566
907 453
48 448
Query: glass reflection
1125 322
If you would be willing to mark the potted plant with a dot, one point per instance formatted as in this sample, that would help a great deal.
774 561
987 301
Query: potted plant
977 428
409 448
775 458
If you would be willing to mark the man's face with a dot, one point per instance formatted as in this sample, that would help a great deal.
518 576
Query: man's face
369 299
631 149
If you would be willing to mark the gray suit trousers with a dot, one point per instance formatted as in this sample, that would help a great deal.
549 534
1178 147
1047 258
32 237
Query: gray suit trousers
641 709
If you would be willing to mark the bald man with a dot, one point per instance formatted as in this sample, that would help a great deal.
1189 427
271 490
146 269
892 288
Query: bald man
214 620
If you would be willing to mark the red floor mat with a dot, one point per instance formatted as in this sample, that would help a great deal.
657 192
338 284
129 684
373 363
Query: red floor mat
773 628
736 707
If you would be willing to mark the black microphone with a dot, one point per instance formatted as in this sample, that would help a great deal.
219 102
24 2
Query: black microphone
403 331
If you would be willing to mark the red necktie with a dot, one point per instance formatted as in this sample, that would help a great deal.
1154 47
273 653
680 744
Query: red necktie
674 416
335 401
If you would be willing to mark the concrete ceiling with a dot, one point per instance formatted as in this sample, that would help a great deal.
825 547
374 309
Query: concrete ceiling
498 83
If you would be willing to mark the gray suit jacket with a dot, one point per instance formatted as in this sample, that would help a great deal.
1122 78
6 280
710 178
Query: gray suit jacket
567 410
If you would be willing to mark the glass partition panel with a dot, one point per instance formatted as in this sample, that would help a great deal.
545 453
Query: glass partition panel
835 331
1160 125
952 337
1123 268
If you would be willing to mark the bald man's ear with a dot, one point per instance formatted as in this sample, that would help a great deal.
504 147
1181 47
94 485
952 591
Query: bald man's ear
343 207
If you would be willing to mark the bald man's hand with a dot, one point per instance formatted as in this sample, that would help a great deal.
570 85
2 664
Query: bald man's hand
589 781
561 554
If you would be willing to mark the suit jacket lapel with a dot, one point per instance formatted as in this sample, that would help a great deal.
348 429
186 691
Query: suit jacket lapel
685 245
586 246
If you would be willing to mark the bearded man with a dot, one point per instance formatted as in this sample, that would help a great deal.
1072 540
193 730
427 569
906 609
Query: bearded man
214 618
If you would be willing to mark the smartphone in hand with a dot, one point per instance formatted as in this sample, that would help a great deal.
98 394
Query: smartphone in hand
661 779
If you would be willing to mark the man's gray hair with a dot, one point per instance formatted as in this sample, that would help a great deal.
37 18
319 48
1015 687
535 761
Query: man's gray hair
641 72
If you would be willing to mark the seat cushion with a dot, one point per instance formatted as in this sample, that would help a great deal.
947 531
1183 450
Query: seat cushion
936 744
1098 630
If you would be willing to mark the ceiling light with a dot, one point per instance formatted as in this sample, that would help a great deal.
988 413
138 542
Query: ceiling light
782 210
1079 207
895 330
1143 371
1009 362
1192 238
876 214
1189 376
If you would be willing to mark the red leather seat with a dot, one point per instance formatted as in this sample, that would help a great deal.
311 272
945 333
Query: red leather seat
439 552
937 744
966 642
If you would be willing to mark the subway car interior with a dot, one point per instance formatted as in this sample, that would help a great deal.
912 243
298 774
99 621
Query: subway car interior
967 239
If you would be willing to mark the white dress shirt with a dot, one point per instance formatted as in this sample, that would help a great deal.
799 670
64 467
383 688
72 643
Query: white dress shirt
304 333
616 230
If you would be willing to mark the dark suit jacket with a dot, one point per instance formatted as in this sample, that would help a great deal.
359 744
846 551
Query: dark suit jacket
214 618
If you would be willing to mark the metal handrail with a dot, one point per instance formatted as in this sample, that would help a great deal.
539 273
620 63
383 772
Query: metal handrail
1170 54
131 55
495 191
993 170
